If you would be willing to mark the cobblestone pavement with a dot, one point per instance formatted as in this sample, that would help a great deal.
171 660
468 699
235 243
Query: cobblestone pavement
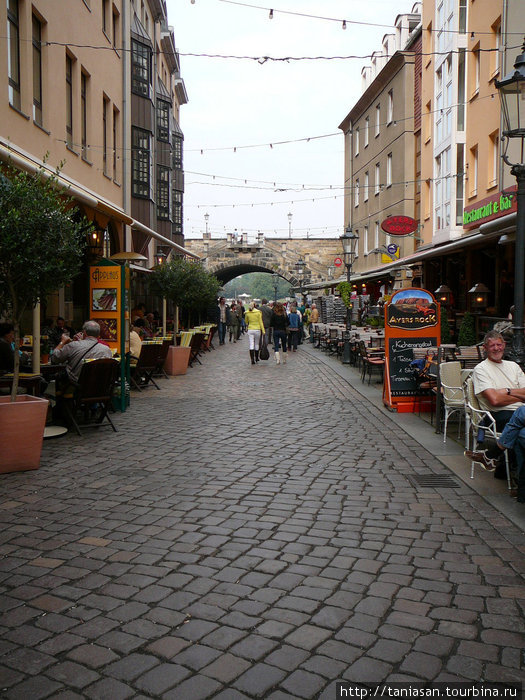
250 532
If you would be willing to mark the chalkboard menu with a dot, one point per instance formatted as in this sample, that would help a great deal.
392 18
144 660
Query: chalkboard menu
402 376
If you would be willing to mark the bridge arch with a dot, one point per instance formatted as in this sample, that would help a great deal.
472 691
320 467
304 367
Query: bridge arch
225 271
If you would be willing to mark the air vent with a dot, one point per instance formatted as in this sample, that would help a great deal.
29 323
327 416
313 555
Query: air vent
434 481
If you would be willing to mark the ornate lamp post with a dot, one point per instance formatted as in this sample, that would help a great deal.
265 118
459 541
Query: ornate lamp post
512 94
275 280
300 268
206 219
349 242
289 224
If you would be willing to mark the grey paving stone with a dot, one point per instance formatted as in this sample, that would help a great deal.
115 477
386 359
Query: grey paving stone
259 679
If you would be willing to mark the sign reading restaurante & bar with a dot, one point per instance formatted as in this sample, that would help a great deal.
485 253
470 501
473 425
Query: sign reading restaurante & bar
490 208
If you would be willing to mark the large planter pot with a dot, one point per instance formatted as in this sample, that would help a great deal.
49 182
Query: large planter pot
177 360
22 427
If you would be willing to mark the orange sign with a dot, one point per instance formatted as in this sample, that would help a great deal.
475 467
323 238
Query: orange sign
412 320
107 298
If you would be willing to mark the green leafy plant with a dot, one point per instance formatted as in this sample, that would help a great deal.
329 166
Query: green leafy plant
186 284
41 244
467 330
345 290
445 328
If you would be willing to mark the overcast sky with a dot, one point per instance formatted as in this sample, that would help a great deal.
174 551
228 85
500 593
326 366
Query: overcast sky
235 103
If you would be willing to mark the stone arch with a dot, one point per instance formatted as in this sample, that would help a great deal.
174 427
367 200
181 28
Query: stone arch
226 270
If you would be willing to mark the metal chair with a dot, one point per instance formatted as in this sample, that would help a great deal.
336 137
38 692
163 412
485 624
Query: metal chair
452 398
93 394
478 420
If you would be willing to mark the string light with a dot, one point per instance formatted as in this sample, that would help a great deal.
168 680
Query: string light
270 16
344 24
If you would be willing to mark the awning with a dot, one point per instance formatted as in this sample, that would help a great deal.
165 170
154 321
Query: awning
82 194
138 226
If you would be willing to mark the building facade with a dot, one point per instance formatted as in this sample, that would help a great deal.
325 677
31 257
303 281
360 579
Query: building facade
70 101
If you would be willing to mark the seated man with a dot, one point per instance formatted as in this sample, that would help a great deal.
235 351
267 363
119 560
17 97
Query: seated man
500 388
84 346
7 350
135 338
60 329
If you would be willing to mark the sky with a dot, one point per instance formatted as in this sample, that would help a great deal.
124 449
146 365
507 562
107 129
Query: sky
238 111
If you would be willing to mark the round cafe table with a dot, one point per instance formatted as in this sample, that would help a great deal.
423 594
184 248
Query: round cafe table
53 431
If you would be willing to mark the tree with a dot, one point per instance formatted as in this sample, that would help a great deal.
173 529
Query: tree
41 244
467 330
445 328
186 284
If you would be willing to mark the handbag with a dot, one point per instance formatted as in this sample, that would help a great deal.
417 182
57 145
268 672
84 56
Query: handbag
264 353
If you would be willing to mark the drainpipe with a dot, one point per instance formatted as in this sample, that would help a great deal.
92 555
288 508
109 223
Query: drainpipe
126 119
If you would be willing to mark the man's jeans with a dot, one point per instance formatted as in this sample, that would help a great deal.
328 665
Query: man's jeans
513 437
222 332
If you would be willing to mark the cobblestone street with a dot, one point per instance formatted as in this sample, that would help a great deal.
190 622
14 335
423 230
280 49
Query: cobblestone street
250 532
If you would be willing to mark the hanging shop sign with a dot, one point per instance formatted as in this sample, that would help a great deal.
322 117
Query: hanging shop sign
392 253
412 320
338 262
490 208
399 225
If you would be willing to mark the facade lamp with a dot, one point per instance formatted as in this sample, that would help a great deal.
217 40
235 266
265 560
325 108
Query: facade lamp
479 296
443 294
349 241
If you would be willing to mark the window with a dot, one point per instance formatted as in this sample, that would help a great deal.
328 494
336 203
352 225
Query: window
140 162
376 234
473 172
366 186
378 119
493 162
13 53
390 107
365 241
495 55
163 192
427 122
37 70
367 127
460 182
105 117
116 124
444 100
475 75
176 152
116 25
442 190
140 68
377 188
356 141
69 101
462 16
83 113
163 120
389 170
462 61
356 193
105 8
177 211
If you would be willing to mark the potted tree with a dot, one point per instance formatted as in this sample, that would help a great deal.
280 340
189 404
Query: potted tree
192 289
41 248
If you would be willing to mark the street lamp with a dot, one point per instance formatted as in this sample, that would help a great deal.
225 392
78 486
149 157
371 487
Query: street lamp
300 269
512 94
206 219
349 242
275 280
290 224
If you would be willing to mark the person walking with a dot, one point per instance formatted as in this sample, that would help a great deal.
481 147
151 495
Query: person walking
266 311
234 324
224 319
255 326
279 324
294 322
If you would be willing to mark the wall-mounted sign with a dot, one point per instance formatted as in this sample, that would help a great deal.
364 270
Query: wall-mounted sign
338 262
490 208
399 225
392 253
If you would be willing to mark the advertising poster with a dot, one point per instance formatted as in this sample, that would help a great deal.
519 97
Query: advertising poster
412 321
106 300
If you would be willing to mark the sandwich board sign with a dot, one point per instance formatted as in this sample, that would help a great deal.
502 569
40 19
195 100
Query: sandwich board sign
412 320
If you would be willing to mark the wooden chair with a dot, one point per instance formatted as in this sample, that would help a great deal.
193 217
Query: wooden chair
161 359
468 355
142 373
478 420
196 346
93 394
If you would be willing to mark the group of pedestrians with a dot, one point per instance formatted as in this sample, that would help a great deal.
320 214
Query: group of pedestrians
285 325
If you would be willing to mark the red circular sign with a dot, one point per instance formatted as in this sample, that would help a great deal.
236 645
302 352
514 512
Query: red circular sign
338 262
399 225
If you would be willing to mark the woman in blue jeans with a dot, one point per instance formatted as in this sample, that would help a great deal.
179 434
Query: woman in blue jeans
279 323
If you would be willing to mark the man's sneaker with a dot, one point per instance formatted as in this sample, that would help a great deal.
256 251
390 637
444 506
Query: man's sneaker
481 457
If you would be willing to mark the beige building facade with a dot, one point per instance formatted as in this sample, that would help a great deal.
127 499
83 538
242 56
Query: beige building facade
380 155
69 102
